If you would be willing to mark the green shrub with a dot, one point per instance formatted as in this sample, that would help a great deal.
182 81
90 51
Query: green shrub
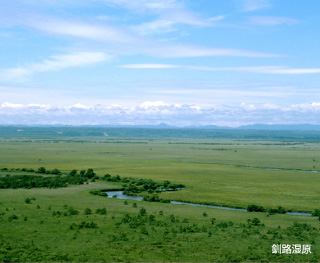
55 171
13 217
82 225
255 208
73 172
279 210
72 211
255 221
101 211
87 211
316 212
41 170
142 211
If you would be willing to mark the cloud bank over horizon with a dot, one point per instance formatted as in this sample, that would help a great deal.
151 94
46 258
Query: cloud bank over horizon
158 112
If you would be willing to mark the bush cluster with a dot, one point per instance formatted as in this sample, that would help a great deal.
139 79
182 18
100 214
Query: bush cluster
133 185
83 224
98 192
101 211
33 181
155 198
255 208
70 212
36 181
279 210
316 212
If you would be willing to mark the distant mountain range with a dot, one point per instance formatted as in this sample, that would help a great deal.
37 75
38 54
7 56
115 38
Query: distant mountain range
281 127
264 127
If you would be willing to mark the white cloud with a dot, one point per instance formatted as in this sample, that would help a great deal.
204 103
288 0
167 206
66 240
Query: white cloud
152 104
155 112
257 70
148 66
125 42
168 21
57 62
216 18
155 27
179 51
272 21
253 5
12 105
189 18
84 30
295 71
142 5
261 69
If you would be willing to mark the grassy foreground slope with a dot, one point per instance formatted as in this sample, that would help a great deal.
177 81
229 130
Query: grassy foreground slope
68 224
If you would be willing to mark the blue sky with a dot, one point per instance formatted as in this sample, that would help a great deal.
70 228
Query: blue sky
180 62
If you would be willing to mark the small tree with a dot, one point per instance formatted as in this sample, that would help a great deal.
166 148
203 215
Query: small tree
41 170
107 177
90 174
255 221
73 172
142 211
87 211
55 171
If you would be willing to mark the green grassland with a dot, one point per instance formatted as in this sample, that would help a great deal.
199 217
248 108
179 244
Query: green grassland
222 172
178 233
215 171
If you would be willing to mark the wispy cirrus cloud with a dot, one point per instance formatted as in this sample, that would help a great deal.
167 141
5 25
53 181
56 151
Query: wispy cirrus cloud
253 5
189 18
271 21
155 27
262 69
257 69
169 20
143 5
55 63
148 66
84 30
125 42
180 51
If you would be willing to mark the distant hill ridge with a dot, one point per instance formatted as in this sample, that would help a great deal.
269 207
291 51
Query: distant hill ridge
257 126
282 127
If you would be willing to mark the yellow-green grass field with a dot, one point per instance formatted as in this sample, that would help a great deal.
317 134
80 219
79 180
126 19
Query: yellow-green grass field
222 172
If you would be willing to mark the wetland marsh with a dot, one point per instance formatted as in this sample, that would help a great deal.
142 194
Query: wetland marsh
212 171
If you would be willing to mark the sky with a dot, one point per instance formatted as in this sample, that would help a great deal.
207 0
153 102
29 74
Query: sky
146 62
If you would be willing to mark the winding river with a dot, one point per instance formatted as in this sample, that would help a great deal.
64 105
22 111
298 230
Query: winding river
120 195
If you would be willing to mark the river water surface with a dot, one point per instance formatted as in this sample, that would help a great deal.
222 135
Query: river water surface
120 195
